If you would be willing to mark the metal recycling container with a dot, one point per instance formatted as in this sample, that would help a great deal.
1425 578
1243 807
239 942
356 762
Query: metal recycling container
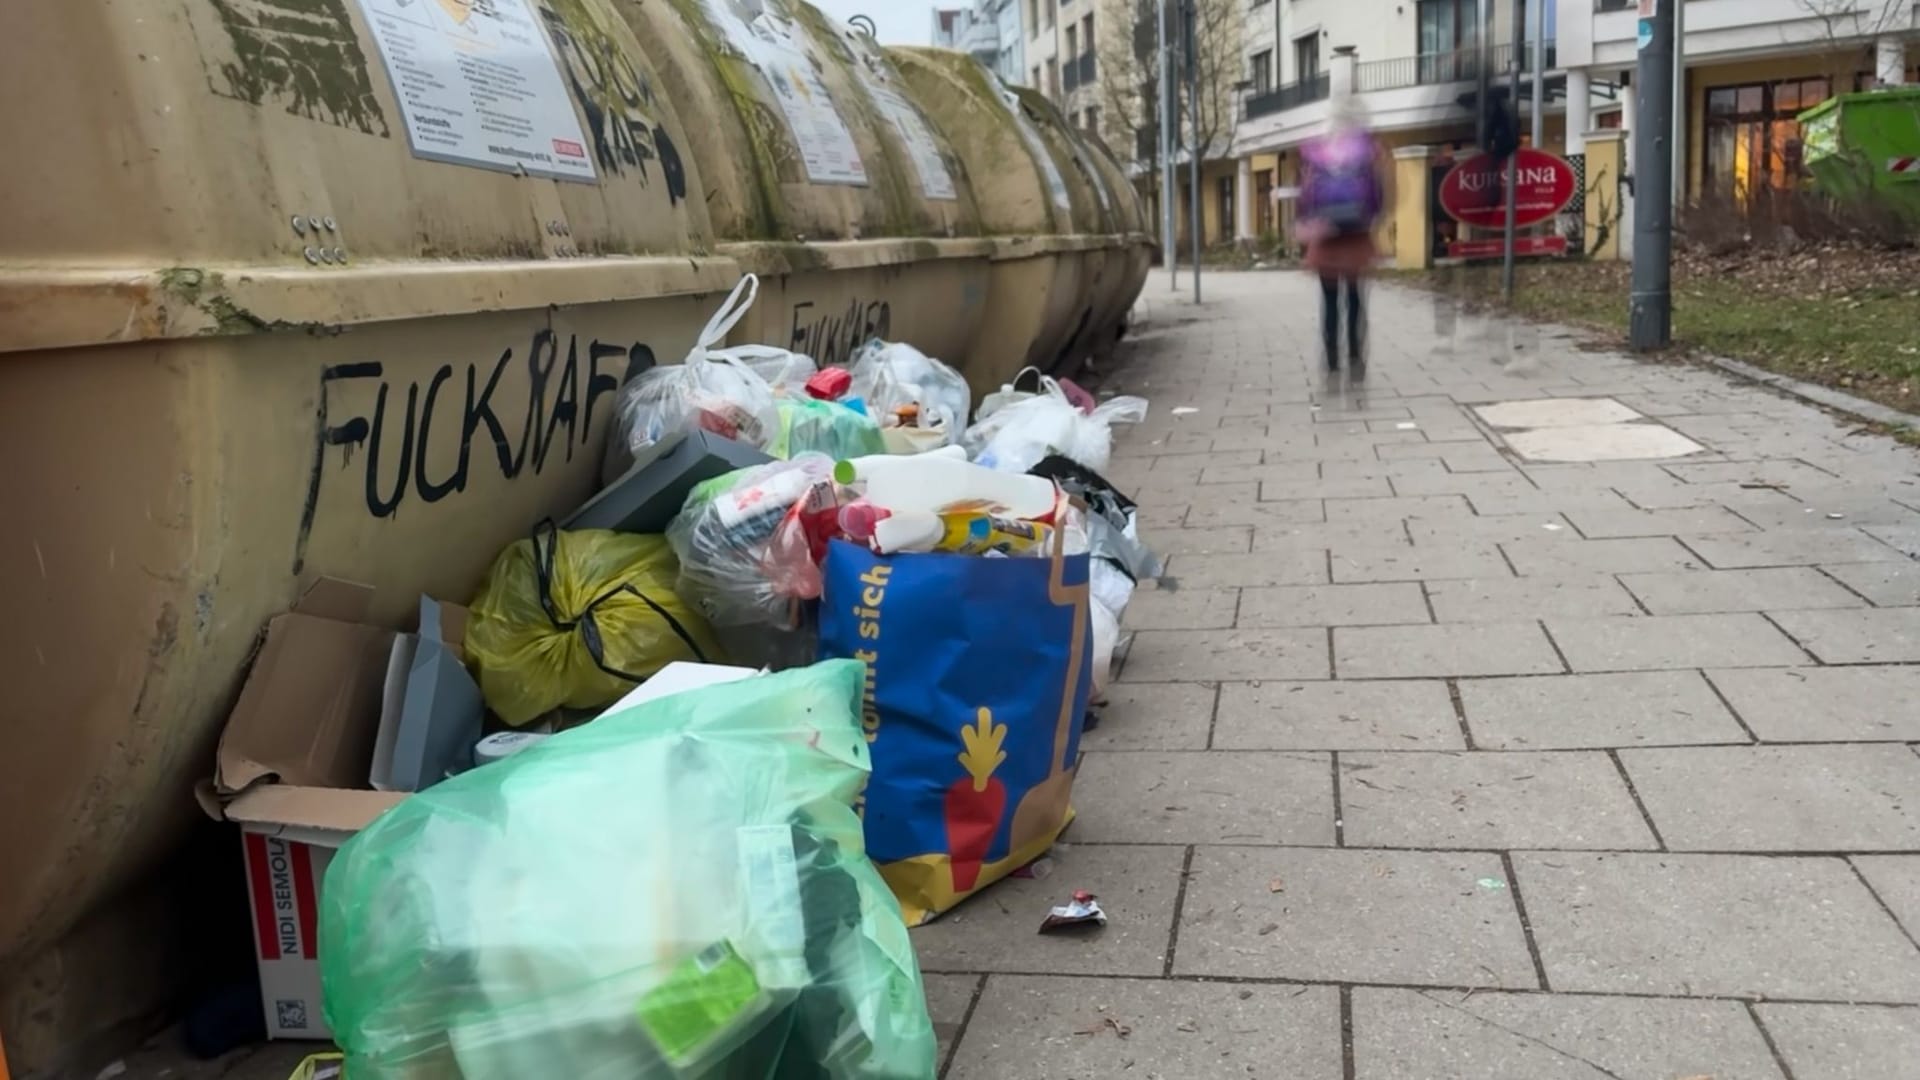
1867 145
349 288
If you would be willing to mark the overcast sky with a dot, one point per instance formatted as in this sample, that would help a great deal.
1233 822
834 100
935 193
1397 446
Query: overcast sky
901 22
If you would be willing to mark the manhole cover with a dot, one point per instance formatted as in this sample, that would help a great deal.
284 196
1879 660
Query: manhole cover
1582 430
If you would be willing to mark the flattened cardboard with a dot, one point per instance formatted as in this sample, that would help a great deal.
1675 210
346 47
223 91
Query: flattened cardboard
431 712
303 717
647 496
322 816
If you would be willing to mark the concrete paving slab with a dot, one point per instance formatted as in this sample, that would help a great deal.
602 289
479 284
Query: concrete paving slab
1672 642
1226 540
1209 797
1572 712
1603 442
1885 584
1429 1034
1334 605
1715 925
1471 485
1155 608
1289 472
1560 559
1547 502
1896 880
1845 1042
1629 524
1387 514
1154 716
1350 488
1209 513
1402 563
1403 917
1226 656
1781 798
1773 471
1792 547
1705 592
1884 636
1477 531
1332 536
998 930
1414 652
1555 413
1507 599
1856 704
1346 715
1268 568
1097 1028
1565 800
948 999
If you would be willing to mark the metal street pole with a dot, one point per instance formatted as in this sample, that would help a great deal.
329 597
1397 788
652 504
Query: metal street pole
1680 104
1513 159
1650 324
1165 54
1194 155
1540 73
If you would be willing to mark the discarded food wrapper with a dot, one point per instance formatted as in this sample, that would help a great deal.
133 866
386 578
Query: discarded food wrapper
1406 425
1184 410
1082 910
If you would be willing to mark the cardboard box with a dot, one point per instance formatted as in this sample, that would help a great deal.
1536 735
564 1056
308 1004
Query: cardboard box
292 771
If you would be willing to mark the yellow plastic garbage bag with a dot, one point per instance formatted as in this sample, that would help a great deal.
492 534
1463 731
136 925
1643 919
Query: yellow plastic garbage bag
576 619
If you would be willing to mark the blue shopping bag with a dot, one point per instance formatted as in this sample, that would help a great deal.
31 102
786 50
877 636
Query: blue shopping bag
978 673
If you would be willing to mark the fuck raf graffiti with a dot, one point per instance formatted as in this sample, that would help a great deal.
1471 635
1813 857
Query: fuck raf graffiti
519 412
831 336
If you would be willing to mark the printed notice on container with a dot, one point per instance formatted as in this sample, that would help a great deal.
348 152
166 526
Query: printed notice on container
768 42
479 86
936 182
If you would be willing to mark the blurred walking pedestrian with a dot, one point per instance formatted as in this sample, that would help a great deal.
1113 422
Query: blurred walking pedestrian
1342 195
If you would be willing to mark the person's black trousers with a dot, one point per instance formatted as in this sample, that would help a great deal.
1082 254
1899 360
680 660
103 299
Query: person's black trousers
1330 285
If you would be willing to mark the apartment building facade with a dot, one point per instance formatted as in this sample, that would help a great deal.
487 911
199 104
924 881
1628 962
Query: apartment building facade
991 31
1063 50
1749 67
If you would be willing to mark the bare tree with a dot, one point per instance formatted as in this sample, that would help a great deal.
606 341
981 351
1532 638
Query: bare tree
1130 63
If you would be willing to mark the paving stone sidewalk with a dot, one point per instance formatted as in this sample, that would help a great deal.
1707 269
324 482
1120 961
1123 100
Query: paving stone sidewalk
1432 760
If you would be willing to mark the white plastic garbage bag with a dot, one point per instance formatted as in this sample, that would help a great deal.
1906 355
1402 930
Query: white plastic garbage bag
891 376
1021 435
715 389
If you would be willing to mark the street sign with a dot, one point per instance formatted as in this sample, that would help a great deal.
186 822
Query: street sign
1474 192
1523 246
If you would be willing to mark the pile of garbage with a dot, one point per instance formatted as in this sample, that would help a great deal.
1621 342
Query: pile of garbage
664 798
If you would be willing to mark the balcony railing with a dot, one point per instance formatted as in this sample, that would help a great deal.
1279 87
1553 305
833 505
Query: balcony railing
1292 96
1432 69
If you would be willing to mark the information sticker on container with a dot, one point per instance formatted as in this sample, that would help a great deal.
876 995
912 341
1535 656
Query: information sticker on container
478 85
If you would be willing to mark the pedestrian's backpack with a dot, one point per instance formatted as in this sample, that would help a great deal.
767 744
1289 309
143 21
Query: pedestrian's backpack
1342 188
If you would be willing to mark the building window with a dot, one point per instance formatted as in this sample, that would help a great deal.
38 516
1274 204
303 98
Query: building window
1263 202
1263 71
1306 58
1446 34
1037 84
1086 32
1053 79
1033 25
1053 13
1093 119
1752 137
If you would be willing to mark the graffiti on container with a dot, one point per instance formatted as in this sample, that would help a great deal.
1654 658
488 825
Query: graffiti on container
832 336
303 55
616 96
544 413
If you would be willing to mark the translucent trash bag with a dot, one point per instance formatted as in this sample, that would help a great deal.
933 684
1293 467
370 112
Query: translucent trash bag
824 427
677 890
786 372
576 619
715 389
745 541
894 376
1020 435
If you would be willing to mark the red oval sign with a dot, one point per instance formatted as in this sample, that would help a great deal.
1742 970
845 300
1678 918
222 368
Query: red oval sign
1475 191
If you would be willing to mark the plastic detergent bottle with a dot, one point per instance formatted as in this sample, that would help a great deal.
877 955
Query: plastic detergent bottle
966 532
866 468
933 482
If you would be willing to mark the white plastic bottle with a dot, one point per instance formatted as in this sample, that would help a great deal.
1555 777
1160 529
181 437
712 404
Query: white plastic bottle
932 483
866 468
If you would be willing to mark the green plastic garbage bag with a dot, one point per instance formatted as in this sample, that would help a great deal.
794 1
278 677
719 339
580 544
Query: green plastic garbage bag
678 890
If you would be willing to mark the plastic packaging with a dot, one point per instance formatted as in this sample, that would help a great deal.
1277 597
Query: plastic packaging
893 378
715 389
1021 435
831 384
788 373
741 540
824 427
1027 382
934 483
679 889
576 619
961 533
